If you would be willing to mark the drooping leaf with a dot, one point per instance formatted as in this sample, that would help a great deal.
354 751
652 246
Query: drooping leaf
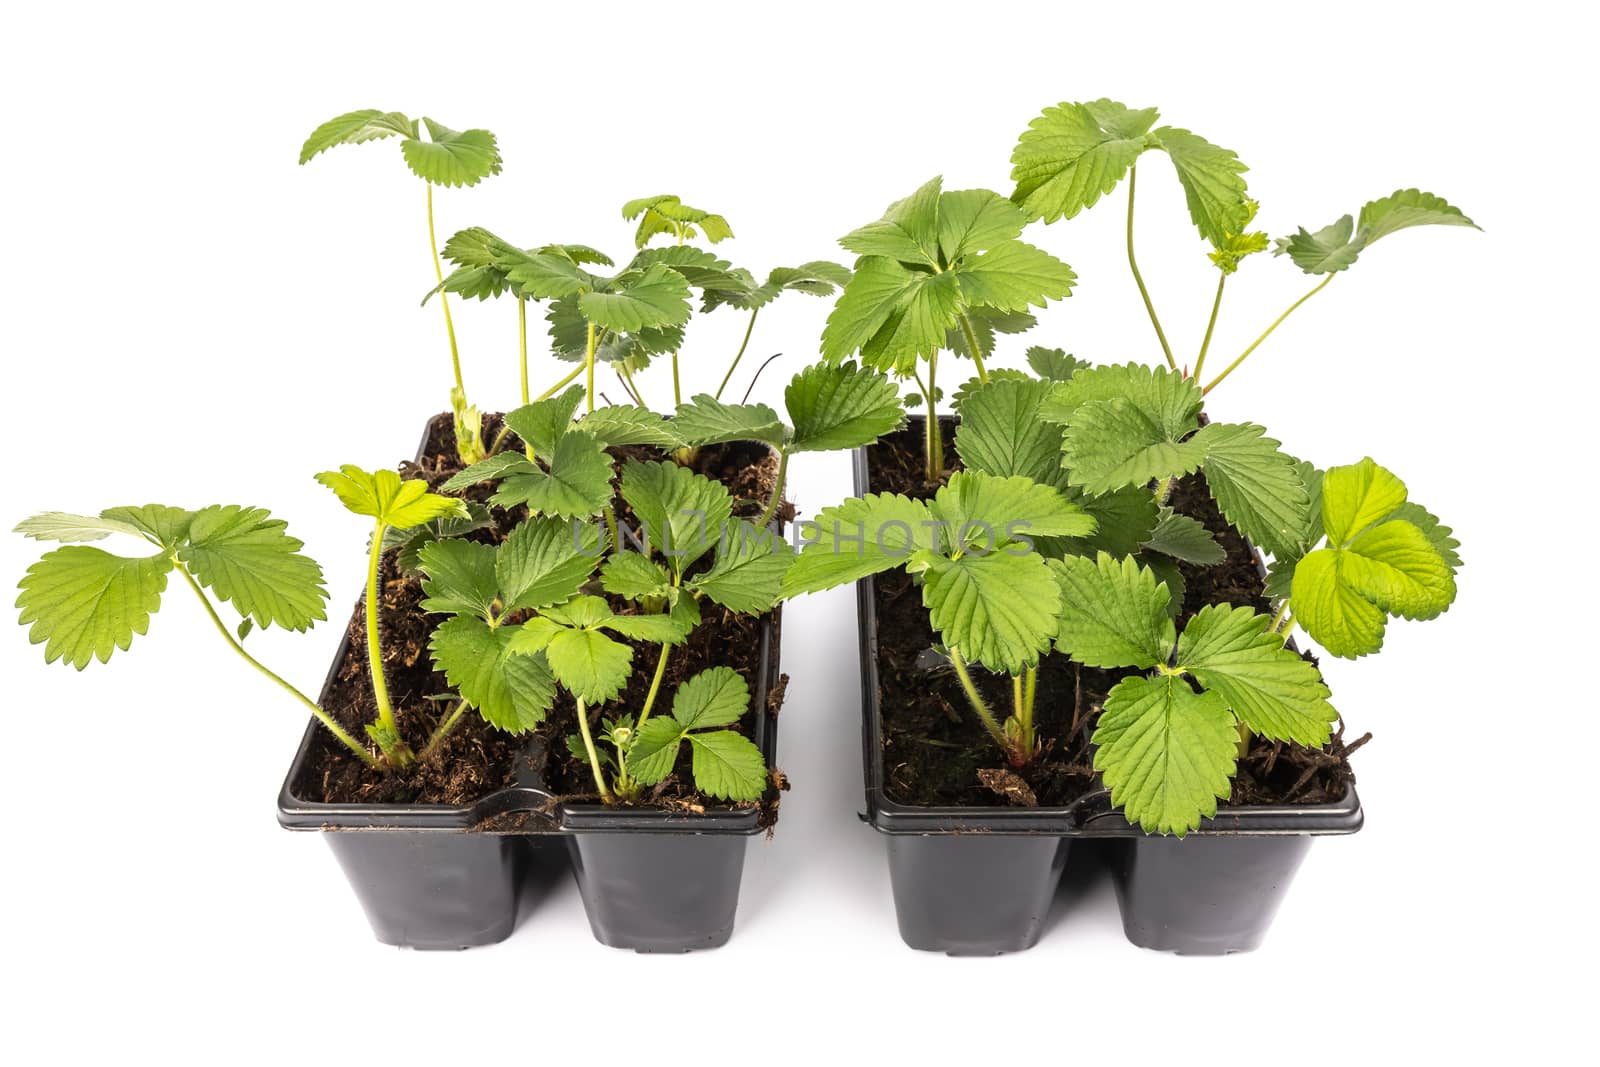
84 602
544 561
386 498
1072 154
459 577
450 157
728 765
1166 752
659 214
1275 692
1331 249
491 469
356 127
862 536
1254 483
748 571
1404 208
512 692
65 527
1213 183
1113 614
406 543
986 323
657 297
684 513
248 559
998 608
705 420
1182 537
158 523
1169 400
840 406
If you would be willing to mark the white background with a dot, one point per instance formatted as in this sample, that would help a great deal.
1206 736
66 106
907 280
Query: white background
191 318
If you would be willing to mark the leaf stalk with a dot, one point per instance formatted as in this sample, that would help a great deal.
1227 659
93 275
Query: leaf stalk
1265 334
1138 279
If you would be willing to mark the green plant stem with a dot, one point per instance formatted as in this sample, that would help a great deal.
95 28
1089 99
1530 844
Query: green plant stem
742 346
677 392
227 635
1138 279
1016 696
1283 612
522 344
1030 689
1200 361
444 298
550 392
594 757
398 755
972 346
777 491
441 731
1164 490
588 363
626 377
655 687
1266 333
977 703
935 444
611 529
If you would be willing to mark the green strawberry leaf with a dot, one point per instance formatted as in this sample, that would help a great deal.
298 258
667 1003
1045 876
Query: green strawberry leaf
998 608
543 423
1072 154
84 602
635 576
840 406
1166 752
748 571
718 696
544 561
654 749
449 157
356 127
1274 691
1213 184
512 692
1001 433
577 485
657 297
626 424
382 495
1113 614
684 514
458 577
705 420
1053 363
862 536
247 558
1183 538
728 766
591 666
1257 486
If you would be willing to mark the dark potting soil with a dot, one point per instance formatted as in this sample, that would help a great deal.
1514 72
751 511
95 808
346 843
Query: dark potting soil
476 759
935 751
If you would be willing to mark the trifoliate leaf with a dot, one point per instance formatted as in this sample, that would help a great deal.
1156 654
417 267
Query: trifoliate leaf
684 514
657 297
668 214
1169 400
1213 183
569 338
654 749
862 536
1341 595
542 423
1273 691
577 485
1166 752
718 696
988 512
1012 276
544 561
1408 207
633 575
626 424
728 765
1331 610
1331 249
1072 154
1053 363
1357 495
705 420
356 127
166 526
512 692
840 406
65 527
748 570
591 666
492 469
998 608
1001 433
459 578
818 278
1255 484
1183 538
908 230
386 498
83 602
1438 534
1113 614
247 558
449 157
1110 444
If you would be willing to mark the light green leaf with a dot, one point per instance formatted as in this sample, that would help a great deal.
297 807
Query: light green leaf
718 696
512 692
748 571
547 275
908 230
1001 433
705 420
1166 751
659 628
973 385
1072 154
1053 363
1438 534
1183 538
877 292
988 511
1331 610
356 127
406 543
986 323
998 608
728 766
543 423
1273 691
247 558
1213 183
684 514
1110 444
1169 400
1404 208
1309 530
451 158
166 526
1357 495
1396 567
840 406
862 536
577 485
544 561
658 297
62 526
592 666
83 602
1255 484
1013 275
660 213
917 327
632 575
654 749
459 577
1113 614
974 219
1331 249
627 424
386 498
491 469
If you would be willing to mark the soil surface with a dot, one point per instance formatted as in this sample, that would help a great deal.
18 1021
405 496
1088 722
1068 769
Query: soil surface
476 759
935 751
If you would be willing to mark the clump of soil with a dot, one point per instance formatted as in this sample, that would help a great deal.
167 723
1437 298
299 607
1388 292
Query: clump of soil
476 759
936 752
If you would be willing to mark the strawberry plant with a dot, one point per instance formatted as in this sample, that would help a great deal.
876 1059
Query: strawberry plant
444 157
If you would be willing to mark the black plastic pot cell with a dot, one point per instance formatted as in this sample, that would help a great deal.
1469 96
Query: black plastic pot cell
980 880
436 877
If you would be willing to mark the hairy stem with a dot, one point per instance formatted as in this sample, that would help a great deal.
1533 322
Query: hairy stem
1266 333
972 346
1138 279
444 297
1205 344
588 363
395 750
976 700
227 635
594 757
777 491
442 731
742 346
